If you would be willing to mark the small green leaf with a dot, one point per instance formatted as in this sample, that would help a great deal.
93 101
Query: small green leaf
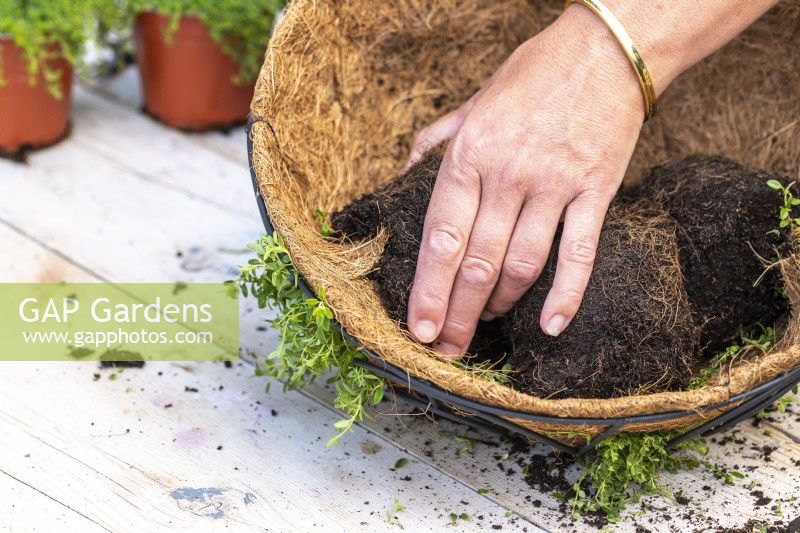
400 463
343 424
484 491
391 516
774 184
377 396
325 229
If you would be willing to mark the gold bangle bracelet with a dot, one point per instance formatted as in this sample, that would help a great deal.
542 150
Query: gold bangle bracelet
618 30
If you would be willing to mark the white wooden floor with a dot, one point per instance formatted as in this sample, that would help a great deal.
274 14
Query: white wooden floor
203 447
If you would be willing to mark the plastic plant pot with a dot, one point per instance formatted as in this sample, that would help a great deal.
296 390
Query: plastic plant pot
186 78
30 116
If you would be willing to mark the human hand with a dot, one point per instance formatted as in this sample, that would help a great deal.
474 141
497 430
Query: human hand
548 138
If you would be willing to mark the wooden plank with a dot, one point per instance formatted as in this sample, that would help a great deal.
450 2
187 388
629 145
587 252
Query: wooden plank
482 459
125 88
203 446
32 262
196 164
21 506
787 422
123 227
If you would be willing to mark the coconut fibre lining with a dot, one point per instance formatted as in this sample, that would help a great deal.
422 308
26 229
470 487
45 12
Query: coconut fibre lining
372 78
638 329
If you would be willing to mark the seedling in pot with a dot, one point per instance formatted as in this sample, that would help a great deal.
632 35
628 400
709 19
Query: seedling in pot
45 31
41 42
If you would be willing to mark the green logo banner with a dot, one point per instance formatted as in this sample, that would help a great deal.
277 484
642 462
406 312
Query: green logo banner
119 322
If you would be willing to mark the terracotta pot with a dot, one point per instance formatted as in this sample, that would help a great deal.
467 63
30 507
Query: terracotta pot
30 117
187 81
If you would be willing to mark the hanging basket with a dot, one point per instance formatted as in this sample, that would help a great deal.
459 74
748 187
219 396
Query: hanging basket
342 91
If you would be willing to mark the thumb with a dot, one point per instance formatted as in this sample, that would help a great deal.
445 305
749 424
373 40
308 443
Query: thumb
433 135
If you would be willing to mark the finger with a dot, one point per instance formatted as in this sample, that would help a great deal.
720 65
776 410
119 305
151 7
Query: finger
448 223
582 223
436 133
527 254
480 267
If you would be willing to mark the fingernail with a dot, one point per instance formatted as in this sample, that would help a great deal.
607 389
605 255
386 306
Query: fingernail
486 316
425 331
556 325
446 348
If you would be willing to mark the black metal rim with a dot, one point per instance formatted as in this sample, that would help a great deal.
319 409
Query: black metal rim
464 410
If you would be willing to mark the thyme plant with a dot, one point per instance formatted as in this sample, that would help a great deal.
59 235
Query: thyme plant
311 345
242 28
45 30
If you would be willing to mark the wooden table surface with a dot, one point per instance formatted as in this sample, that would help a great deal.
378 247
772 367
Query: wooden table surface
202 446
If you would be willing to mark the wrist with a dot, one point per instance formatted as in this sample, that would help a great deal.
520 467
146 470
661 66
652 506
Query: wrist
672 36
663 63
593 52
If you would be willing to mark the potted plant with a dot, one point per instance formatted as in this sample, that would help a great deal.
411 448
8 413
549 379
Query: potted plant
198 59
40 42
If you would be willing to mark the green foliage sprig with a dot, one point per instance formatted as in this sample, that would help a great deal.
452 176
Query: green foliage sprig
761 339
626 466
487 370
311 345
324 228
45 30
242 28
392 515
789 203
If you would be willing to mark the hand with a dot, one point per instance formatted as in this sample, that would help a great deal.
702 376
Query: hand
548 138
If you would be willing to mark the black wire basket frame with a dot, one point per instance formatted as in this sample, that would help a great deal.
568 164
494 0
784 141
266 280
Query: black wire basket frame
434 400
